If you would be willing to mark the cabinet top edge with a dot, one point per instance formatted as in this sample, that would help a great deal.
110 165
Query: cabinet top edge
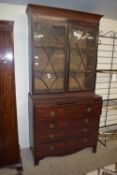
61 12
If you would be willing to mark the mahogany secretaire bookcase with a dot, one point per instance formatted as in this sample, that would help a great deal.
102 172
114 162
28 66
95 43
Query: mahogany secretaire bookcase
64 111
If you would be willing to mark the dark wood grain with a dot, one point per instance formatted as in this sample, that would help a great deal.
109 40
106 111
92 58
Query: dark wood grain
65 147
9 146
64 110
62 123
70 121
67 14
54 130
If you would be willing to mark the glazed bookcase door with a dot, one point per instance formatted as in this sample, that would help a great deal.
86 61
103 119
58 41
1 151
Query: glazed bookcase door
49 54
82 53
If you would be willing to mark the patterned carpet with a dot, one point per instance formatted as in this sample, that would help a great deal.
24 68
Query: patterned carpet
80 163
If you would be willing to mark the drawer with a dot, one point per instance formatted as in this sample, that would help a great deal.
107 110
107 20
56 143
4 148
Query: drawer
48 131
64 147
65 110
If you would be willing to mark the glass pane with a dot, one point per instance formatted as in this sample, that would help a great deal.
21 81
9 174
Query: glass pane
81 81
82 58
49 55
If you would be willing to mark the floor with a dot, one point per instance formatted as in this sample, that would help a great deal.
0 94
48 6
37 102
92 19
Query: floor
80 163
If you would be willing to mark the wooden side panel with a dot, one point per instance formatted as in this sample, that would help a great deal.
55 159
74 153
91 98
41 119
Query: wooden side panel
9 147
31 123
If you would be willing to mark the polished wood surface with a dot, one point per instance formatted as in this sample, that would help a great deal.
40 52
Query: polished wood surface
9 146
57 122
79 16
65 147
63 119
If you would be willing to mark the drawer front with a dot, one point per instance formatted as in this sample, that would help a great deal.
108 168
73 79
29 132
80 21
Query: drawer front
48 131
65 110
68 146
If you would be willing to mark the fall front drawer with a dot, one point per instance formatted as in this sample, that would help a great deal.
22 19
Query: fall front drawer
59 129
65 110
64 147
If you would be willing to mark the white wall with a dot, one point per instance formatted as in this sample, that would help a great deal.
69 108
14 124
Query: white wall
18 15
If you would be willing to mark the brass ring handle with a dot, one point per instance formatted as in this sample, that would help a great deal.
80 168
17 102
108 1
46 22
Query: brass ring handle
89 109
51 126
85 130
52 113
51 136
85 141
51 147
86 120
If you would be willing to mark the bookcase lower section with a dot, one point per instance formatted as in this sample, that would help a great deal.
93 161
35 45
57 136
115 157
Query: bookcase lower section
63 126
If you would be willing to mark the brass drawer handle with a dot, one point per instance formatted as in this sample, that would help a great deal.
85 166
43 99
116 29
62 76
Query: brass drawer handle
51 126
89 109
85 130
51 147
52 113
51 136
86 120
85 140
